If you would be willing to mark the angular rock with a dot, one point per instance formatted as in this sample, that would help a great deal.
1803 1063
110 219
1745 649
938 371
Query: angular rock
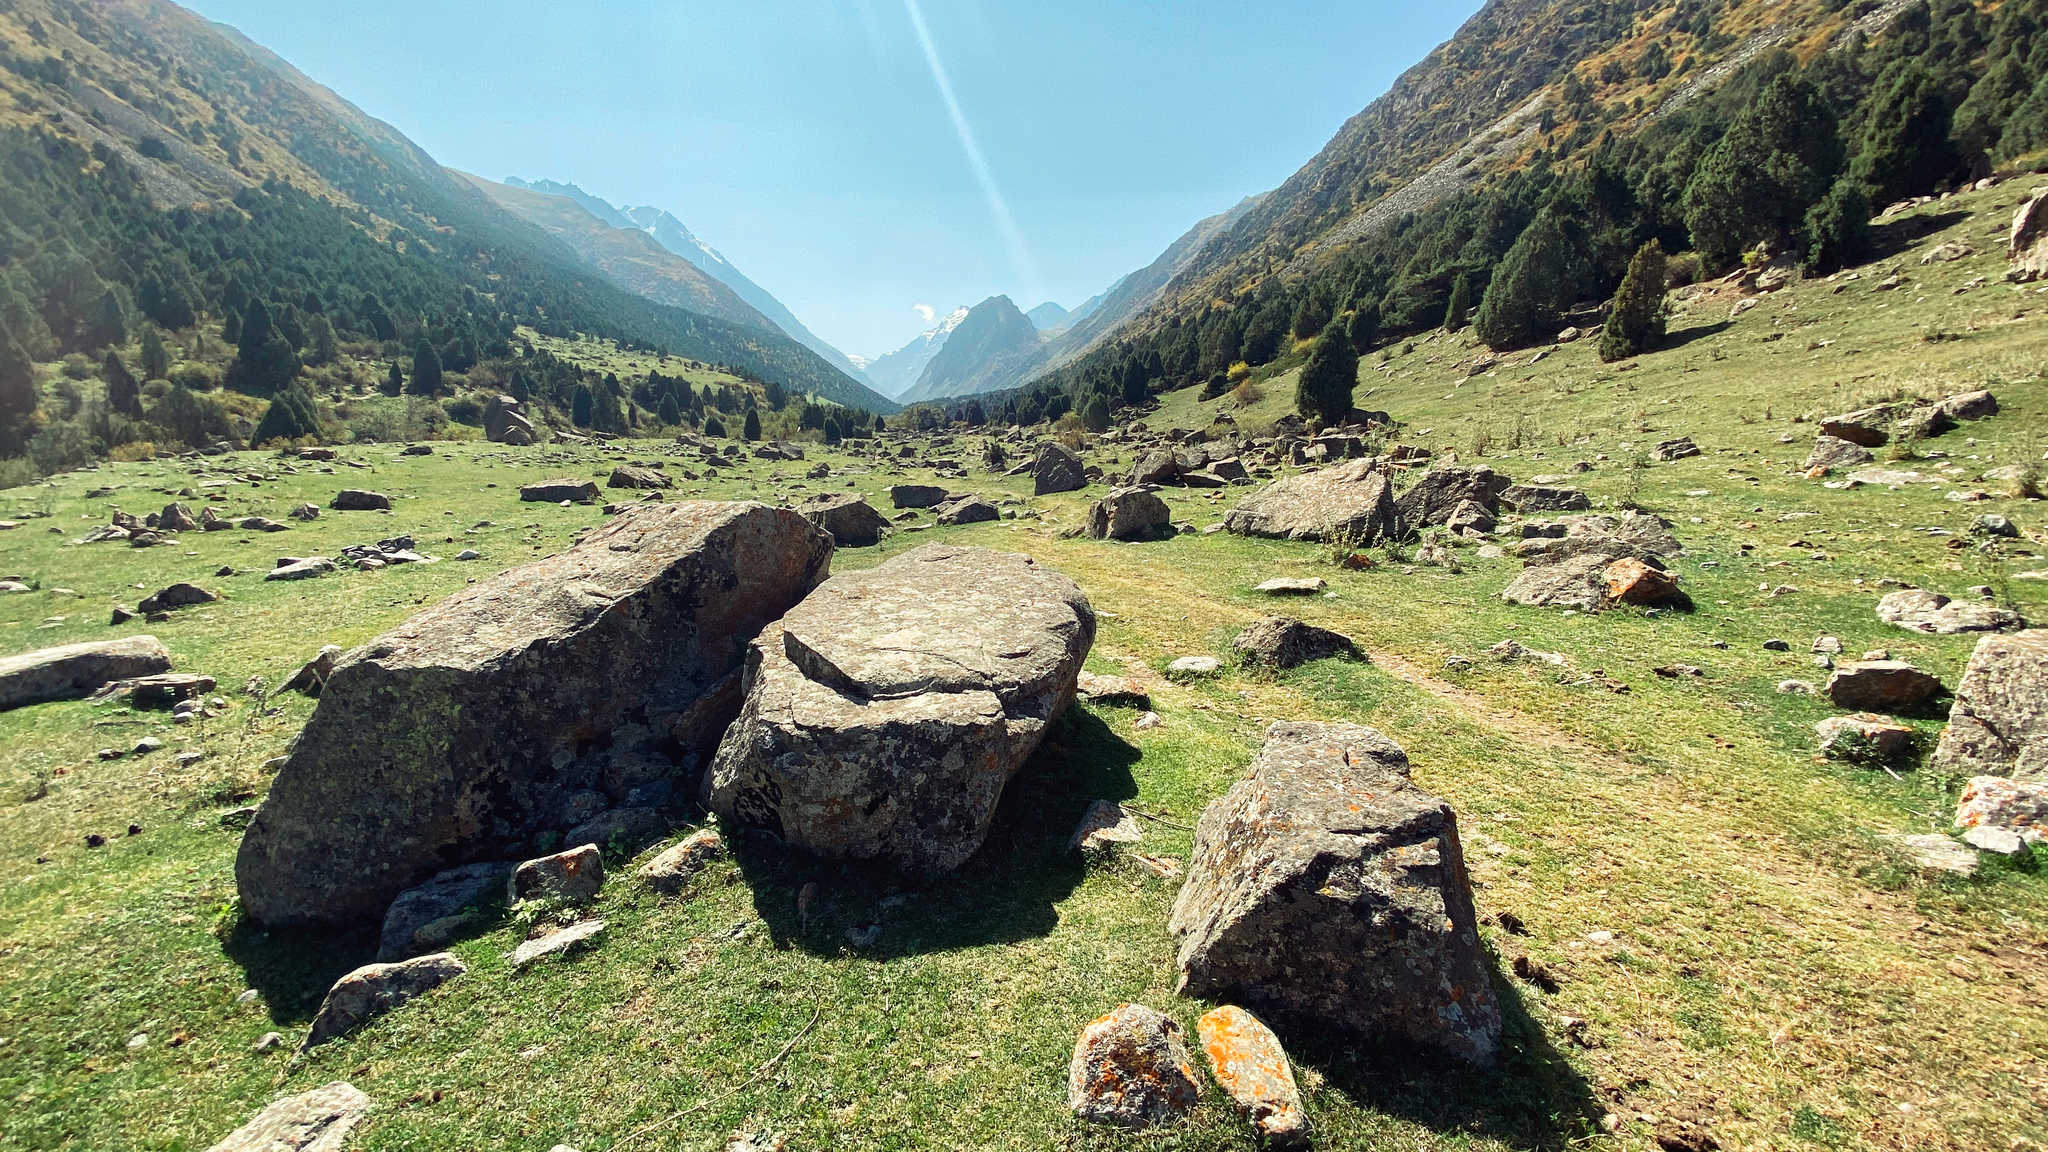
505 421
557 943
1160 466
1864 738
1881 686
438 900
2002 841
303 511
358 500
316 1121
1933 614
211 520
1129 514
555 491
846 517
1631 581
160 691
1057 469
176 518
1527 498
1284 642
1351 502
1578 582
2018 806
1834 452
304 569
1105 823
1998 725
374 989
177 596
1977 405
1471 518
968 510
885 714
634 476
1938 853
1327 890
1679 449
78 669
1195 666
458 733
1439 492
1131 1069
1868 427
917 495
571 877
670 871
1253 1070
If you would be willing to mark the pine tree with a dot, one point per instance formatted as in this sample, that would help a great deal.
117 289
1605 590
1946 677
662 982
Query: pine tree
394 381
124 394
1311 316
1838 228
1095 417
156 359
713 426
291 415
778 397
581 405
1535 283
1637 322
108 327
1327 380
670 412
324 347
264 360
751 428
1364 327
426 369
1906 149
231 327
1262 335
1775 162
1461 304
20 392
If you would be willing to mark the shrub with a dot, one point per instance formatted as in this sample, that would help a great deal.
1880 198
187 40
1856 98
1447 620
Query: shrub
1637 322
465 410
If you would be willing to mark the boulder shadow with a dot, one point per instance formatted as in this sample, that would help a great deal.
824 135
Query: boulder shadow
1006 892
1531 1098
1684 336
294 967
1895 237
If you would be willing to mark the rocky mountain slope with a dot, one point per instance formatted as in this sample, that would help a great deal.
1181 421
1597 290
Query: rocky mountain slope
898 372
978 355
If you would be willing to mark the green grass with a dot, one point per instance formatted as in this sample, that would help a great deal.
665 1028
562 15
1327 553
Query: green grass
1775 963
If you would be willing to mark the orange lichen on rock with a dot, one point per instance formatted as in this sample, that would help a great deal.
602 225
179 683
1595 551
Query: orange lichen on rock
1252 1068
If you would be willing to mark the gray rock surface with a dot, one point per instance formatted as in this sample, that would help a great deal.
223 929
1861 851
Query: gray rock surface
1834 452
360 500
1934 614
458 733
670 871
1326 889
2018 806
374 989
1129 514
301 569
1353 502
886 713
557 943
917 495
555 491
1253 1070
316 1121
78 669
1880 686
632 828
850 520
1437 493
1057 469
1131 1069
572 877
1998 725
967 510
438 900
1527 498
1284 642
1105 823
636 477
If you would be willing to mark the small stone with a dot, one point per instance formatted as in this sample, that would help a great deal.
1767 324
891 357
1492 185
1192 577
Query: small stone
468 554
139 1040
1147 721
1131 1069
1777 646
1293 586
269 1041
573 877
1938 853
147 745
374 989
249 997
1195 666
1252 1067
1105 823
1881 686
669 872
556 943
316 1121
1999 841
1862 738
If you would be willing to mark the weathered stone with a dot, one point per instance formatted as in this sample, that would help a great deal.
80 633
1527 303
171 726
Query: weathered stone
1938 853
632 828
1105 823
1293 586
302 569
2019 806
1577 582
78 669
1129 514
1527 498
159 691
316 1121
358 500
968 510
1880 686
459 732
555 491
1977 405
2027 244
917 495
1679 449
1352 502
505 421
1326 889
1931 613
438 900
1131 1069
670 871
557 943
211 520
1835 452
1253 1070
1195 666
1998 725
633 476
176 518
312 676
886 713
1160 466
1631 581
846 517
1057 469
1284 642
1868 427
177 596
1469 518
1110 690
1439 492
374 989
1864 738
571 877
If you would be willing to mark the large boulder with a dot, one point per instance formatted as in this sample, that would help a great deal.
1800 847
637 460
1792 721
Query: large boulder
360 500
176 596
1834 452
316 1121
1057 469
916 495
1998 725
634 476
886 713
374 989
968 509
78 669
1129 514
1437 493
1326 889
1881 686
1931 613
2027 244
457 735
505 421
846 517
555 491
1866 427
1352 502
1528 498
2017 806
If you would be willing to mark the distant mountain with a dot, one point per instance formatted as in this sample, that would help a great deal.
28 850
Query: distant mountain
1048 316
673 235
978 355
898 371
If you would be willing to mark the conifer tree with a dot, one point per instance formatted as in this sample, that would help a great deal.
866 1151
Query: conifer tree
751 428
580 406
1535 283
1906 150
1311 316
1461 303
394 381
426 369
1637 322
124 393
1095 417
264 360
1775 162
156 359
670 412
1327 380
231 326
1364 326
108 327
1838 228
290 416
713 426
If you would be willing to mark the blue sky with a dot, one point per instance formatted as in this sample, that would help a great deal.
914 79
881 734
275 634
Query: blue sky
811 141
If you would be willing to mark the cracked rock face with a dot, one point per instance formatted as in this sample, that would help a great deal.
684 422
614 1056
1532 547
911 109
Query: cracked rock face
1998 725
1131 1069
1352 502
459 734
886 713
1326 889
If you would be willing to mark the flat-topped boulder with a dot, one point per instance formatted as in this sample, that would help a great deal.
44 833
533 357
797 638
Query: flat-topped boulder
459 733
360 500
1327 890
846 517
317 1121
1352 502
78 669
555 491
1129 514
1998 725
1880 686
1933 614
634 476
1527 498
916 495
886 713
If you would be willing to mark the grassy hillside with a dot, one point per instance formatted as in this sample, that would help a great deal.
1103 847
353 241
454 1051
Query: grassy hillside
1777 969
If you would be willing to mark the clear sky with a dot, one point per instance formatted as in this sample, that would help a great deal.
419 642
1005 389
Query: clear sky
814 143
